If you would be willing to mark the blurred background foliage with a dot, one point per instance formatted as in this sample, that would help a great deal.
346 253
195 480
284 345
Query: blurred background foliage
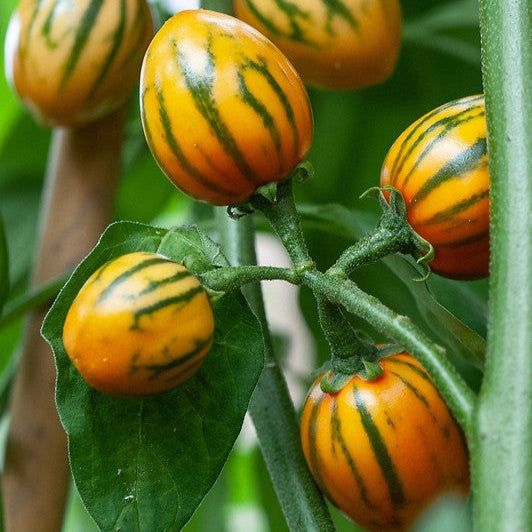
439 62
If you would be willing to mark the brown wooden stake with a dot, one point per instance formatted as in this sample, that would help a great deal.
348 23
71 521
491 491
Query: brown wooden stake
76 207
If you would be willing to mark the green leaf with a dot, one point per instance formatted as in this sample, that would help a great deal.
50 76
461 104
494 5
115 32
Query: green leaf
453 333
451 29
31 299
223 6
146 464
4 265
457 336
19 193
448 16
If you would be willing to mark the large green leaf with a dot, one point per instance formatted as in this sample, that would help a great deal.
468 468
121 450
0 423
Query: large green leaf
4 265
146 464
452 332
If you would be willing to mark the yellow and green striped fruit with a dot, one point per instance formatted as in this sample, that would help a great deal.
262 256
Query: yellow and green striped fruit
140 325
345 44
440 165
223 110
71 62
383 450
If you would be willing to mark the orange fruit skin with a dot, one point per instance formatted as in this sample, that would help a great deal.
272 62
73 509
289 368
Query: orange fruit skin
140 325
382 451
223 110
70 63
351 45
440 166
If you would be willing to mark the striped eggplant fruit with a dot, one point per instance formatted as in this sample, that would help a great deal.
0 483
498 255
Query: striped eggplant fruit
383 450
440 165
73 62
223 110
345 44
141 324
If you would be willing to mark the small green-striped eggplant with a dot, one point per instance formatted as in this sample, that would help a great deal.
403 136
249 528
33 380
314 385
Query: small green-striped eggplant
74 62
141 324
440 166
223 110
382 450
345 44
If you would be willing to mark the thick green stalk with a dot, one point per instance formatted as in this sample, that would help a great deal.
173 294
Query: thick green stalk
502 443
271 408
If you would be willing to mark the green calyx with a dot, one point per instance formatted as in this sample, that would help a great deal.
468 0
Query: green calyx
335 379
372 371
417 246
333 382
267 195
339 371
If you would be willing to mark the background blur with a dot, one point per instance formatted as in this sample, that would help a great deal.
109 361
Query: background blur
439 62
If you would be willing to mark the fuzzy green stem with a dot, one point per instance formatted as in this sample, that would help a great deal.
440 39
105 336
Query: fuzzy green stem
502 442
347 349
284 218
384 241
401 329
235 277
393 234
271 408
349 352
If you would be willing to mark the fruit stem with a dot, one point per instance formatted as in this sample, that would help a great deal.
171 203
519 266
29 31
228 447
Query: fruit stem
346 293
392 234
234 277
271 407
348 349
285 221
